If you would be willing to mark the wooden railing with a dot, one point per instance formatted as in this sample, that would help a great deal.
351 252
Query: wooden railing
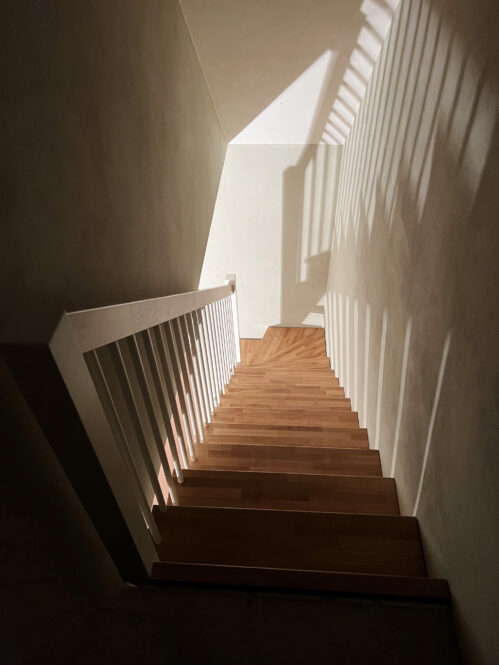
145 377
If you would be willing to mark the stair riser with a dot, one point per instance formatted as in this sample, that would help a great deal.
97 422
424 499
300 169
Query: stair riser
286 459
313 419
288 540
282 371
283 403
293 382
270 491
294 391
310 442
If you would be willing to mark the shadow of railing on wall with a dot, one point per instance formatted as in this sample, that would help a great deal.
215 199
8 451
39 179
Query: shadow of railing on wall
310 188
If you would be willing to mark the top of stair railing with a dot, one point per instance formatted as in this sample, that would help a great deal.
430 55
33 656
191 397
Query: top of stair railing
96 327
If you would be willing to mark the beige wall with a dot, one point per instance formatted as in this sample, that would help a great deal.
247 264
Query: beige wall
411 310
251 52
271 228
111 153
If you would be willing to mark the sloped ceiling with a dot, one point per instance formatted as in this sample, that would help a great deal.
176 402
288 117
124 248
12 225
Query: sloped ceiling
276 68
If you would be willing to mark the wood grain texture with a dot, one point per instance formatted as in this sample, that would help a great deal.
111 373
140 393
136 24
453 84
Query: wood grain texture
293 417
287 459
356 584
286 435
281 346
285 491
371 544
286 402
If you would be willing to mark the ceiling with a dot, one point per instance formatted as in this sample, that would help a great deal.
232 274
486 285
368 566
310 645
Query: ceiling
277 68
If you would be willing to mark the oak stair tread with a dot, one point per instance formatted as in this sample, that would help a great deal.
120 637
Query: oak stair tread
287 435
286 491
285 402
287 459
339 542
276 416
305 392
356 584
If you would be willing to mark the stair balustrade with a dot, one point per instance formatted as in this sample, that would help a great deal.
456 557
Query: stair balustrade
145 378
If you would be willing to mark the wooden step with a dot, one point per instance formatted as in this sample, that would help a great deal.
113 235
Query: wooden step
288 345
287 435
295 363
287 459
265 370
281 402
286 491
284 380
274 416
369 544
291 391
390 586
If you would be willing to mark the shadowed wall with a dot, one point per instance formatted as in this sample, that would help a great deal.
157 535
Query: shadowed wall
111 153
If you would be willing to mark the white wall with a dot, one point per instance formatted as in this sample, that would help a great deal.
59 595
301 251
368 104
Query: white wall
287 78
271 65
271 228
110 153
110 158
412 321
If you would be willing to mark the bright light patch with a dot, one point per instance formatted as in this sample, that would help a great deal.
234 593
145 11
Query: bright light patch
290 117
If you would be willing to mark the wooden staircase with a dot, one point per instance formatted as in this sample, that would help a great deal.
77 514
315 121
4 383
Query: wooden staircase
285 491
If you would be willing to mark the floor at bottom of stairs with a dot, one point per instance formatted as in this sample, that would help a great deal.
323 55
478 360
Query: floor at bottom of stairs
184 625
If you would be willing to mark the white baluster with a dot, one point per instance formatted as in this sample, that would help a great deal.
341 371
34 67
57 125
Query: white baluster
169 382
124 380
145 390
163 402
174 365
99 379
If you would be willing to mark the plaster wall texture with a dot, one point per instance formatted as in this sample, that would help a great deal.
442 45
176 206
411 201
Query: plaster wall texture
111 153
287 78
411 317
251 52
271 227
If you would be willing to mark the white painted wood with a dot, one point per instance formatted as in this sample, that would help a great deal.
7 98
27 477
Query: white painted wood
104 392
179 347
228 323
219 344
216 355
216 346
169 382
133 409
198 329
211 355
184 336
196 367
231 281
225 349
181 353
153 362
179 387
76 376
230 326
221 337
145 390
192 322
96 327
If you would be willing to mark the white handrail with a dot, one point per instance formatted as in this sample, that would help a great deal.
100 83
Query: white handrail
94 328
167 360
